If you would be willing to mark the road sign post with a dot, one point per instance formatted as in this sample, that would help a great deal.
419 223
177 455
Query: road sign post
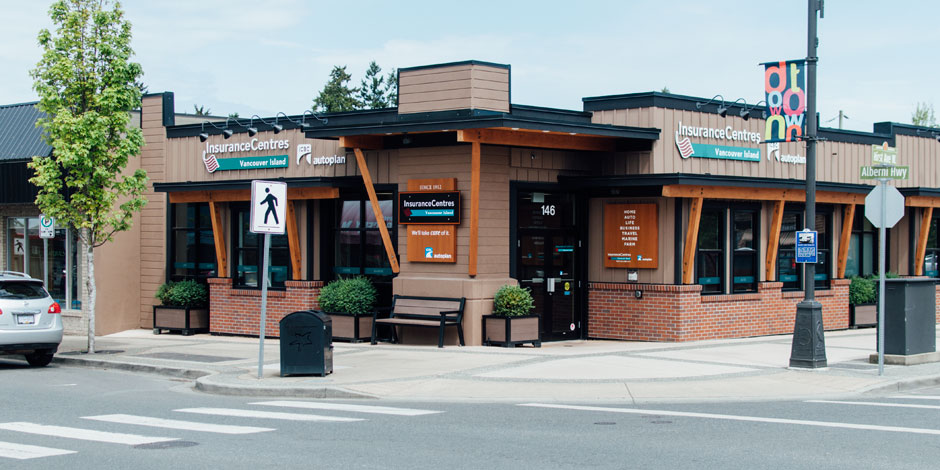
268 202
46 231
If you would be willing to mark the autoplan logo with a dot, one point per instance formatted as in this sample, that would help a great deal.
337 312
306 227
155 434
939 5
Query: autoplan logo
304 151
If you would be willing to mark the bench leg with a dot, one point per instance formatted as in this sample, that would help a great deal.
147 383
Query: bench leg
460 334
373 331
394 334
440 337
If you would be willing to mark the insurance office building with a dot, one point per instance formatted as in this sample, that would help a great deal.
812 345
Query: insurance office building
590 209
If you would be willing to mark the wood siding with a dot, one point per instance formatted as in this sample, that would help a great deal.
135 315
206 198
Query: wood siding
152 220
469 86
545 166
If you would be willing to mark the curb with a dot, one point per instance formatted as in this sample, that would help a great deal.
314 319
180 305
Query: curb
131 367
211 384
904 385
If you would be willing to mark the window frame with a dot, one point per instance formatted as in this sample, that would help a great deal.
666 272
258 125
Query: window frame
722 212
235 209
197 231
753 252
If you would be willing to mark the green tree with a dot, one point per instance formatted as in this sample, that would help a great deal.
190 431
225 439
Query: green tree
923 115
87 87
336 95
201 110
391 88
372 89
665 90
233 115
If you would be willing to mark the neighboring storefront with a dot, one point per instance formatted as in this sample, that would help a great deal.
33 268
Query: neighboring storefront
647 216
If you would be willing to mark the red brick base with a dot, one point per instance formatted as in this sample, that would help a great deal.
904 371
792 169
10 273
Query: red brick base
682 313
238 311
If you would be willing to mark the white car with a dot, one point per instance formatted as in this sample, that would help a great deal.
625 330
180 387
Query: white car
30 321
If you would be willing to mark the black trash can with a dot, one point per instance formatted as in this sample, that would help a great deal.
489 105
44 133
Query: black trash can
910 316
306 344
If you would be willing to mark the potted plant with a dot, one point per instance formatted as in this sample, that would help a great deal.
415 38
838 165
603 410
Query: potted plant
512 321
863 302
183 307
349 303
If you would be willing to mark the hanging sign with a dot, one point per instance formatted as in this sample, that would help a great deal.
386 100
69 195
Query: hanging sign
631 236
268 207
430 240
784 91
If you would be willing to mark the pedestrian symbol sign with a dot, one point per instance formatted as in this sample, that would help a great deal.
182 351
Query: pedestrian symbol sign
268 203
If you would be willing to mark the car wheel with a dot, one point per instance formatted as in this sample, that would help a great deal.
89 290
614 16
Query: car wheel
39 358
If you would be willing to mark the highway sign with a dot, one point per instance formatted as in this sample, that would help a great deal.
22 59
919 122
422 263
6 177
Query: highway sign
887 172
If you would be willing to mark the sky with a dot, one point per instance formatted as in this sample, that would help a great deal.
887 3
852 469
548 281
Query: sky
877 59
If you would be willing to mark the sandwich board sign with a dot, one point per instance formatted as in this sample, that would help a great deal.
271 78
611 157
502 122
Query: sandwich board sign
268 207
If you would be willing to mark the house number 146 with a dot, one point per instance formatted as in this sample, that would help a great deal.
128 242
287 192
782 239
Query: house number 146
548 209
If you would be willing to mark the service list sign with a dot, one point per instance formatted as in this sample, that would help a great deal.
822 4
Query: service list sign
631 236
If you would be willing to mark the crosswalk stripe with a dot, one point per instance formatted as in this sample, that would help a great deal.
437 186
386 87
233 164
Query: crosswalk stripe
24 452
918 397
177 424
755 419
386 410
872 403
83 434
265 414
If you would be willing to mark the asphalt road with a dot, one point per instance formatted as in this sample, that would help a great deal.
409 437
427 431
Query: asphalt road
61 417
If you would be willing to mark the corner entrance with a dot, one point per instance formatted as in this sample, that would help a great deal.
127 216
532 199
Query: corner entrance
547 246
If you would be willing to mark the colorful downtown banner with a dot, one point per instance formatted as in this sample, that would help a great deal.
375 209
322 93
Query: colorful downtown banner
784 90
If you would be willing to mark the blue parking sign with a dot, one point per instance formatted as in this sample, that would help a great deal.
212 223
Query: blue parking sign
806 246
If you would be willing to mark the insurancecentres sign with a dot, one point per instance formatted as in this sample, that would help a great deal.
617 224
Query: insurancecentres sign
214 164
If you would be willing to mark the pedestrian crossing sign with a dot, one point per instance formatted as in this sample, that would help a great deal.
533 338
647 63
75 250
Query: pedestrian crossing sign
268 203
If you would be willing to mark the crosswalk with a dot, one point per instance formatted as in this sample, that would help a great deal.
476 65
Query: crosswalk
23 450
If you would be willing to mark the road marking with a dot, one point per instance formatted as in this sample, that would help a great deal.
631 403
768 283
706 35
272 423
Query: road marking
84 434
177 424
265 414
385 410
23 451
918 397
871 403
754 419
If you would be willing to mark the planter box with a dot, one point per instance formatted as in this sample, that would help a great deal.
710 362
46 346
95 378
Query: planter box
183 319
352 327
510 331
863 315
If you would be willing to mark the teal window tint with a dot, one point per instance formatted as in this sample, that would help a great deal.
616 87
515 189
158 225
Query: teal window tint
863 247
931 267
709 256
788 271
358 246
744 243
192 246
247 253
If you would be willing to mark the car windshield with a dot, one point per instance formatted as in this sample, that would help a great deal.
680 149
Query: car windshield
21 290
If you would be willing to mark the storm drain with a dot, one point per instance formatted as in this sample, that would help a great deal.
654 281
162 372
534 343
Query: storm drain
188 357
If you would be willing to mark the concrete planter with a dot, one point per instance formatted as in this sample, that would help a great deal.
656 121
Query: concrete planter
510 331
352 327
183 319
863 315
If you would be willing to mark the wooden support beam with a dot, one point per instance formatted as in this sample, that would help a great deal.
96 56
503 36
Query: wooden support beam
293 241
218 234
925 220
922 201
773 242
848 219
691 241
236 195
759 194
368 142
474 207
538 140
377 210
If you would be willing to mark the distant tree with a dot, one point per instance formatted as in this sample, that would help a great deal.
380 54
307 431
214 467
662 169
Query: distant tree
201 110
87 87
665 90
233 115
336 95
372 88
144 89
391 88
923 115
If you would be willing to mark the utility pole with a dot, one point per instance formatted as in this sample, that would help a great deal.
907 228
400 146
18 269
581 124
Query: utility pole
809 344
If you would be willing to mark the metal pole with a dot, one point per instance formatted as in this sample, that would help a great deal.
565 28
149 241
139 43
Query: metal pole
45 262
263 278
881 286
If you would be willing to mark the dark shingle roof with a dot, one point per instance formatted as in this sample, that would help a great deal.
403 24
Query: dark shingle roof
20 139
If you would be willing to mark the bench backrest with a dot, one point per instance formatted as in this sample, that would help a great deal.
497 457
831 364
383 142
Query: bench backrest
409 305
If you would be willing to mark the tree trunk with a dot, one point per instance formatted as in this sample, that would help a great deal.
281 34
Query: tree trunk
90 287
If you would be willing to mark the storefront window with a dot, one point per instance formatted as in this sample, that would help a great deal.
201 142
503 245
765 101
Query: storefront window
744 257
192 246
788 271
824 242
247 254
359 247
710 253
26 252
863 247
932 254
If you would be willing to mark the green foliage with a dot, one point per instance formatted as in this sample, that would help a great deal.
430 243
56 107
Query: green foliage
87 87
233 115
862 291
372 89
391 88
183 294
336 96
923 115
355 295
665 90
201 110
512 301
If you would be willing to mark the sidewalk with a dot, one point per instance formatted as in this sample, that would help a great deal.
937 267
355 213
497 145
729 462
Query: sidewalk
571 371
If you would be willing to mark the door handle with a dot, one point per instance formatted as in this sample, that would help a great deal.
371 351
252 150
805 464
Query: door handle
551 284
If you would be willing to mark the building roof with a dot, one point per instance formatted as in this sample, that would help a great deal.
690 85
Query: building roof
20 139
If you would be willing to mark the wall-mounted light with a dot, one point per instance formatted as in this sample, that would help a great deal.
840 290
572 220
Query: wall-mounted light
746 112
226 133
699 106
405 139
303 119
724 112
203 136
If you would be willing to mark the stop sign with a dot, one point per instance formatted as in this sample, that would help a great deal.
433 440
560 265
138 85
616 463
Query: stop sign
893 205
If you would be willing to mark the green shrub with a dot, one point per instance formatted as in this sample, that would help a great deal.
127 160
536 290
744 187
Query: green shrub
356 295
183 294
512 301
862 291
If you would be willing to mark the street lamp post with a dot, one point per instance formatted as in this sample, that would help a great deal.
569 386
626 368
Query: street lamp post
809 344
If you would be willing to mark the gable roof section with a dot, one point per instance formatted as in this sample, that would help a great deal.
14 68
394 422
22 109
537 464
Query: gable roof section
20 139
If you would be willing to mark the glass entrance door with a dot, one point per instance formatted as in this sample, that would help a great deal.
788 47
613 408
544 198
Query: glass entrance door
547 253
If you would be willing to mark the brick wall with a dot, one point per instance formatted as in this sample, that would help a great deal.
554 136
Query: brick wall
238 311
681 313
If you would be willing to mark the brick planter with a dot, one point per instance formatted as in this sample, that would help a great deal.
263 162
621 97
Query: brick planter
238 311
